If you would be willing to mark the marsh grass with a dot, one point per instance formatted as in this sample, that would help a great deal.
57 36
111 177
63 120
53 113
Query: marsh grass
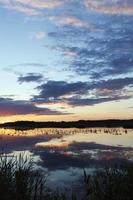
110 184
20 181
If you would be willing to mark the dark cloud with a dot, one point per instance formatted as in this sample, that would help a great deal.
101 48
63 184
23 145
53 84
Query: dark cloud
92 101
80 93
54 89
115 84
100 59
9 107
105 51
30 77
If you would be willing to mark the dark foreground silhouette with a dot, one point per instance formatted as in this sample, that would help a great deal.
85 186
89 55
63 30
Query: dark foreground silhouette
19 181
73 124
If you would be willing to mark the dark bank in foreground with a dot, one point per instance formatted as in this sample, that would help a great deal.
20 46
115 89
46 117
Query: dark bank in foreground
71 124
20 181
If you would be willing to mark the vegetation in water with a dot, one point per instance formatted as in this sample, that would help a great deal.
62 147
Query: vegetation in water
20 181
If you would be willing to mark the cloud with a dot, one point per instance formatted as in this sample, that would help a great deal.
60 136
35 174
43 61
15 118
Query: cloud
76 102
24 67
40 35
31 7
30 77
83 93
111 7
69 53
69 20
107 53
115 84
15 68
24 10
10 107
96 55
41 4
28 65
54 89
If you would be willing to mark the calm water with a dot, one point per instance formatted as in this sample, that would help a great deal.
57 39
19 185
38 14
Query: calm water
63 153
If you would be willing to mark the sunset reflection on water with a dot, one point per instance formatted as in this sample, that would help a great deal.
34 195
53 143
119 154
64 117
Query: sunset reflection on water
64 153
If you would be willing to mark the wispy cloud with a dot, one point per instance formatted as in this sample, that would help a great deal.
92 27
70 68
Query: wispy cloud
23 9
69 20
118 7
40 35
41 4
31 7
28 65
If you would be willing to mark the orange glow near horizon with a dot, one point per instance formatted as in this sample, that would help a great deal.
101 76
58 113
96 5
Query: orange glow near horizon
109 110
64 118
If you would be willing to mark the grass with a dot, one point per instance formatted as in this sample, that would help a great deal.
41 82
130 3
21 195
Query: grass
110 184
19 181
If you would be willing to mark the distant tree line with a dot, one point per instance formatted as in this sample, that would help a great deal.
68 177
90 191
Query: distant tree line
70 124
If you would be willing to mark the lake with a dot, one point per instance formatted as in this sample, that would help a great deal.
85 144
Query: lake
63 154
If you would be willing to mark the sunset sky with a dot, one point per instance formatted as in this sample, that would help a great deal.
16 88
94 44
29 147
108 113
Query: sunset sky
66 59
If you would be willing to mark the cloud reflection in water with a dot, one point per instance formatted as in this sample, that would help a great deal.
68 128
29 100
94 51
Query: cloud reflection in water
64 153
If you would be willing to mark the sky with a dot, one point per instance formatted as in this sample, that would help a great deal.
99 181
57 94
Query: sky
66 59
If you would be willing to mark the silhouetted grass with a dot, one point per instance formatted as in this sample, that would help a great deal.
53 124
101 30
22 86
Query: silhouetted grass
19 181
110 184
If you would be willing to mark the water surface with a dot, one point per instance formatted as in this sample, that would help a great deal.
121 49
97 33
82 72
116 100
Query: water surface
62 154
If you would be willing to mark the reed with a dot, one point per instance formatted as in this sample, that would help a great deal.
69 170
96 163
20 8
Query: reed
115 183
20 181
